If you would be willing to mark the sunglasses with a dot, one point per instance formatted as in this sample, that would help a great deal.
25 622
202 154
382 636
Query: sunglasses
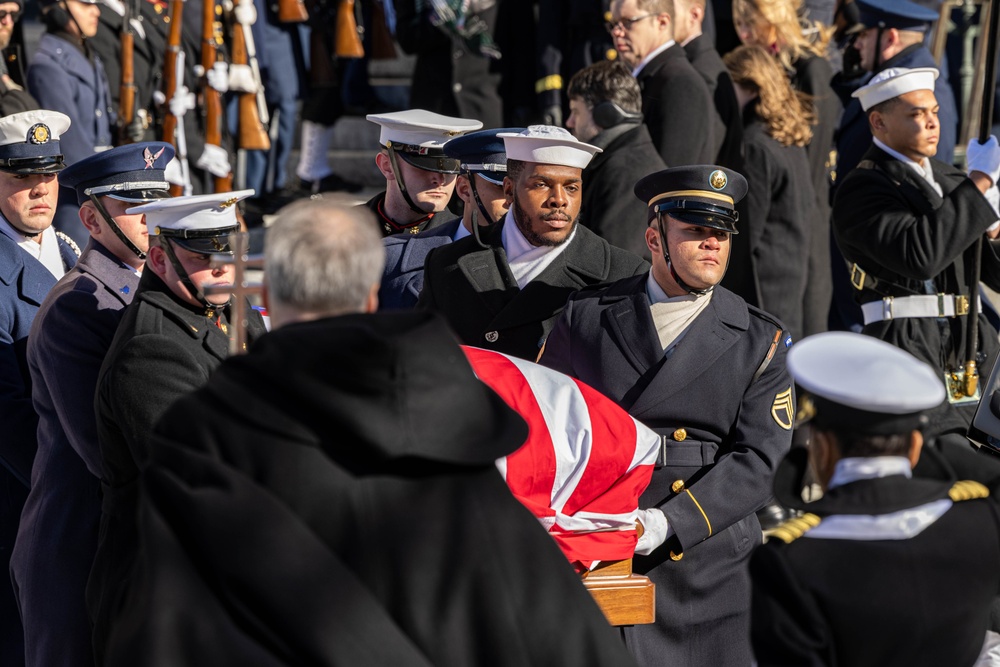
14 15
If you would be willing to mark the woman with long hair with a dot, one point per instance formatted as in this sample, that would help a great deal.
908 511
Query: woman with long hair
780 203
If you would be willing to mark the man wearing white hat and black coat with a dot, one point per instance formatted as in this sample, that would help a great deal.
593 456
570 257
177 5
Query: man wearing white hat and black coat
504 292
886 568
419 177
171 338
695 363
908 225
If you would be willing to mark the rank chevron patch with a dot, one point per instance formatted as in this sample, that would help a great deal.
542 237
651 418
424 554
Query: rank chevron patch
783 410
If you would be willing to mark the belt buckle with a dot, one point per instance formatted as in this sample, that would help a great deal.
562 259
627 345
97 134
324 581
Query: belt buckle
887 308
961 305
858 276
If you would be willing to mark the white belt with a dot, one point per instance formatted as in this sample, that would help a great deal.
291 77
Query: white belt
929 305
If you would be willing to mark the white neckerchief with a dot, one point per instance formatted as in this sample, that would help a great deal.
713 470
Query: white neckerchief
655 52
853 468
526 261
46 251
673 316
923 169
461 232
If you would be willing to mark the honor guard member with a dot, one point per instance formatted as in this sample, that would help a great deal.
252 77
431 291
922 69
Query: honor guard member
695 363
419 177
908 225
170 339
886 568
483 164
69 337
504 291
33 256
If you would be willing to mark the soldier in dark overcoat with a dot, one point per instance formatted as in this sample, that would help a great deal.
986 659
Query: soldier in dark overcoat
69 337
170 339
505 292
693 362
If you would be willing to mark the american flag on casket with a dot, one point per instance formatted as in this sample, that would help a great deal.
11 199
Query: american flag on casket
585 463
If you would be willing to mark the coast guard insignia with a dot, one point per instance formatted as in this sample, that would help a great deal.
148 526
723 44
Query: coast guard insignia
39 133
717 179
782 409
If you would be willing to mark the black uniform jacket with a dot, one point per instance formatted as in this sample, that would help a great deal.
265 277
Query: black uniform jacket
473 287
317 504
163 349
727 128
610 209
902 233
924 600
724 430
678 109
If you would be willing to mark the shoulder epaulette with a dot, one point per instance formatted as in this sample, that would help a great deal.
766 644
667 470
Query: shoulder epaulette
793 529
764 315
967 490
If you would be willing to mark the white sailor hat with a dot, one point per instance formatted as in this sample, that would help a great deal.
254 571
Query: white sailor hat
546 144
864 385
419 136
29 142
200 223
894 82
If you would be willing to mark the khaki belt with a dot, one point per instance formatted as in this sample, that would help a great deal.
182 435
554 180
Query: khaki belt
929 305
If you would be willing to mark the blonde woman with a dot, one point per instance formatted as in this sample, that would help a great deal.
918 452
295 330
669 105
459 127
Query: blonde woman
780 203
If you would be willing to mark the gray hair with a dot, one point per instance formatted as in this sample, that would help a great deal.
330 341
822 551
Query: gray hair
323 257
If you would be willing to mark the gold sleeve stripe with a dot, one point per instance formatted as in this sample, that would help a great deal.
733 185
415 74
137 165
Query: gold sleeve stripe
967 490
550 82
698 505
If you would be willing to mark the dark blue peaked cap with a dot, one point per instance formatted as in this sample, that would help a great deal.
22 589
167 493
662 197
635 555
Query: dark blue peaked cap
898 14
700 194
482 152
132 173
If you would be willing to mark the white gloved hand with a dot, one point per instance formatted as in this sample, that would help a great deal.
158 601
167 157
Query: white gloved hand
656 530
181 102
984 158
215 160
218 77
173 173
245 13
241 79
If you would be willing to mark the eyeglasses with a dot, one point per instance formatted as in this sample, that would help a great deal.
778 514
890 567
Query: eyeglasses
14 15
625 25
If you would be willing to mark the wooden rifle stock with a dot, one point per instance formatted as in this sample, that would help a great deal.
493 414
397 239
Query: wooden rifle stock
127 92
253 134
347 42
170 74
211 97
292 11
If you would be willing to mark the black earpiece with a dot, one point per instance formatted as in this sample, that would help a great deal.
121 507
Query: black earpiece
57 17
608 114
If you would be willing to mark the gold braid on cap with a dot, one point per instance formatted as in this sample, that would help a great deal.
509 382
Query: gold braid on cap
692 193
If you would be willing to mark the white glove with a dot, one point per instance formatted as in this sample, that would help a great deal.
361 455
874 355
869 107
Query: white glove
245 13
241 79
173 172
984 158
218 77
181 102
215 160
656 530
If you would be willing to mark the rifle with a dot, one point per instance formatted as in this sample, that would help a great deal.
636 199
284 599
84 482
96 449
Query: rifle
171 78
128 91
221 174
253 114
292 11
347 43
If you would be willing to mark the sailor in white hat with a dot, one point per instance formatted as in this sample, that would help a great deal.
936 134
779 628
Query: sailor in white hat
420 178
537 241
909 226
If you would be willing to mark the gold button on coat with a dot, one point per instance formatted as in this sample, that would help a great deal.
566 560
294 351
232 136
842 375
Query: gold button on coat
676 556
677 486
680 435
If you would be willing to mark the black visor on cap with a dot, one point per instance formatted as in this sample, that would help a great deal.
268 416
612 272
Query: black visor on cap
700 213
439 163
204 242
138 196
49 164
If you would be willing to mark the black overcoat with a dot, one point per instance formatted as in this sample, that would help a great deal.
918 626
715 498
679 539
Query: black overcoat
724 431
473 287
899 230
332 499
678 109
610 209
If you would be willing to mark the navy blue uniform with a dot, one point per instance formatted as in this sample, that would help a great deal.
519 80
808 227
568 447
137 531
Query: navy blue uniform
403 276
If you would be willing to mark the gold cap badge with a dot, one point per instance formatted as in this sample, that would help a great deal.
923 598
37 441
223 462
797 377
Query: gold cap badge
717 179
39 133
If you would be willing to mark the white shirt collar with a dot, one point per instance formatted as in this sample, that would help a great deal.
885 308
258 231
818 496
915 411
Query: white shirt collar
923 169
852 469
45 251
655 52
460 233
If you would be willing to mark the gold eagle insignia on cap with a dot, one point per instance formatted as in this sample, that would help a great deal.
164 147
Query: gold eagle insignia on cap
717 179
39 133
228 202
782 409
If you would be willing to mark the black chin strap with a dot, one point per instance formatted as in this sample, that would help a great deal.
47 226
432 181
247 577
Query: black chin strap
399 180
133 248
210 308
670 265
878 47
479 202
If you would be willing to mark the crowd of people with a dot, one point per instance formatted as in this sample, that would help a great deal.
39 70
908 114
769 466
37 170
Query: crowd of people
587 321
